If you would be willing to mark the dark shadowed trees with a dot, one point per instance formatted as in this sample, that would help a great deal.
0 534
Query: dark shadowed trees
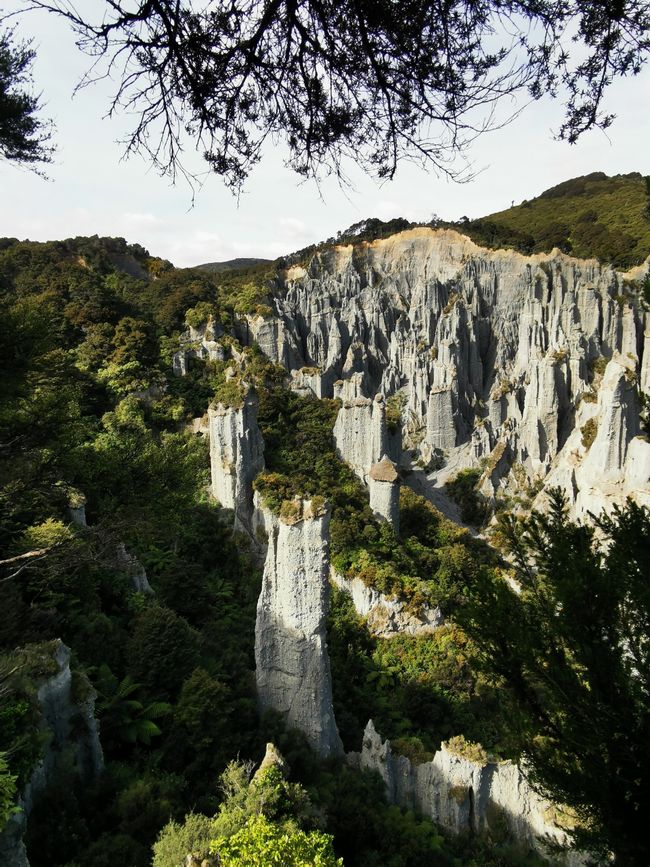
573 646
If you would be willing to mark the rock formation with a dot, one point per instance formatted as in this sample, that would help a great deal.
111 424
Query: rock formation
307 381
463 795
383 482
199 342
292 664
605 459
131 566
489 349
360 433
236 457
387 617
69 722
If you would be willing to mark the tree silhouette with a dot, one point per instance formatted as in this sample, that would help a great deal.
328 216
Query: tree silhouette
24 137
372 80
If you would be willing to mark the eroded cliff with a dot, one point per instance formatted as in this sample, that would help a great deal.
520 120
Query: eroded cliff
491 350
236 457
466 795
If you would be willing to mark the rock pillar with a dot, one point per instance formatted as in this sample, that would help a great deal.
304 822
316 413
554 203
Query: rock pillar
384 492
292 664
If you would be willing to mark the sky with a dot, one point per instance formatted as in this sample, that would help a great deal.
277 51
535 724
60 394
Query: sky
93 190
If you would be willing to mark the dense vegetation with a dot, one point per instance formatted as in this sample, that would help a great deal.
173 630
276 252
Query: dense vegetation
85 415
91 417
573 646
607 218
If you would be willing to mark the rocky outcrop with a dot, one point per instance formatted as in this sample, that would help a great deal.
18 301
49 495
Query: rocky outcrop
383 482
236 457
360 433
198 342
292 664
488 348
441 419
387 617
71 730
617 421
605 458
307 381
131 566
464 795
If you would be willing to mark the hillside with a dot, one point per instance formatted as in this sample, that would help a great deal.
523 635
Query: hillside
594 216
232 264
590 216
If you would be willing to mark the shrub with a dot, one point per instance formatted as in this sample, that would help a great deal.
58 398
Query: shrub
468 750
589 431
176 841
462 489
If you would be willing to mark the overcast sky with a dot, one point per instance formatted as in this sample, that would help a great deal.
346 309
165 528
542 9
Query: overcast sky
93 191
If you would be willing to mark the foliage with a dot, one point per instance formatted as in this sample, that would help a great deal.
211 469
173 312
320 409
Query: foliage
123 717
463 489
267 795
77 319
21 736
163 651
261 843
418 691
425 564
462 747
361 81
177 840
24 136
591 216
589 431
7 792
572 645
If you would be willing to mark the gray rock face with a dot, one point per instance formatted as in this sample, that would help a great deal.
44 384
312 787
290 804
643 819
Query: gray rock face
71 725
129 563
360 433
236 457
441 419
198 343
292 664
387 617
618 420
383 483
307 381
616 464
489 348
465 796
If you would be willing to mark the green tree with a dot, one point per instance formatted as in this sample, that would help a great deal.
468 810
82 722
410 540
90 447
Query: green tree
24 137
125 719
7 792
573 647
202 736
177 841
262 843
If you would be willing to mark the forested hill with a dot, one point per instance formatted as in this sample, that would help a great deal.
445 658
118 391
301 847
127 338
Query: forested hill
594 215
607 218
